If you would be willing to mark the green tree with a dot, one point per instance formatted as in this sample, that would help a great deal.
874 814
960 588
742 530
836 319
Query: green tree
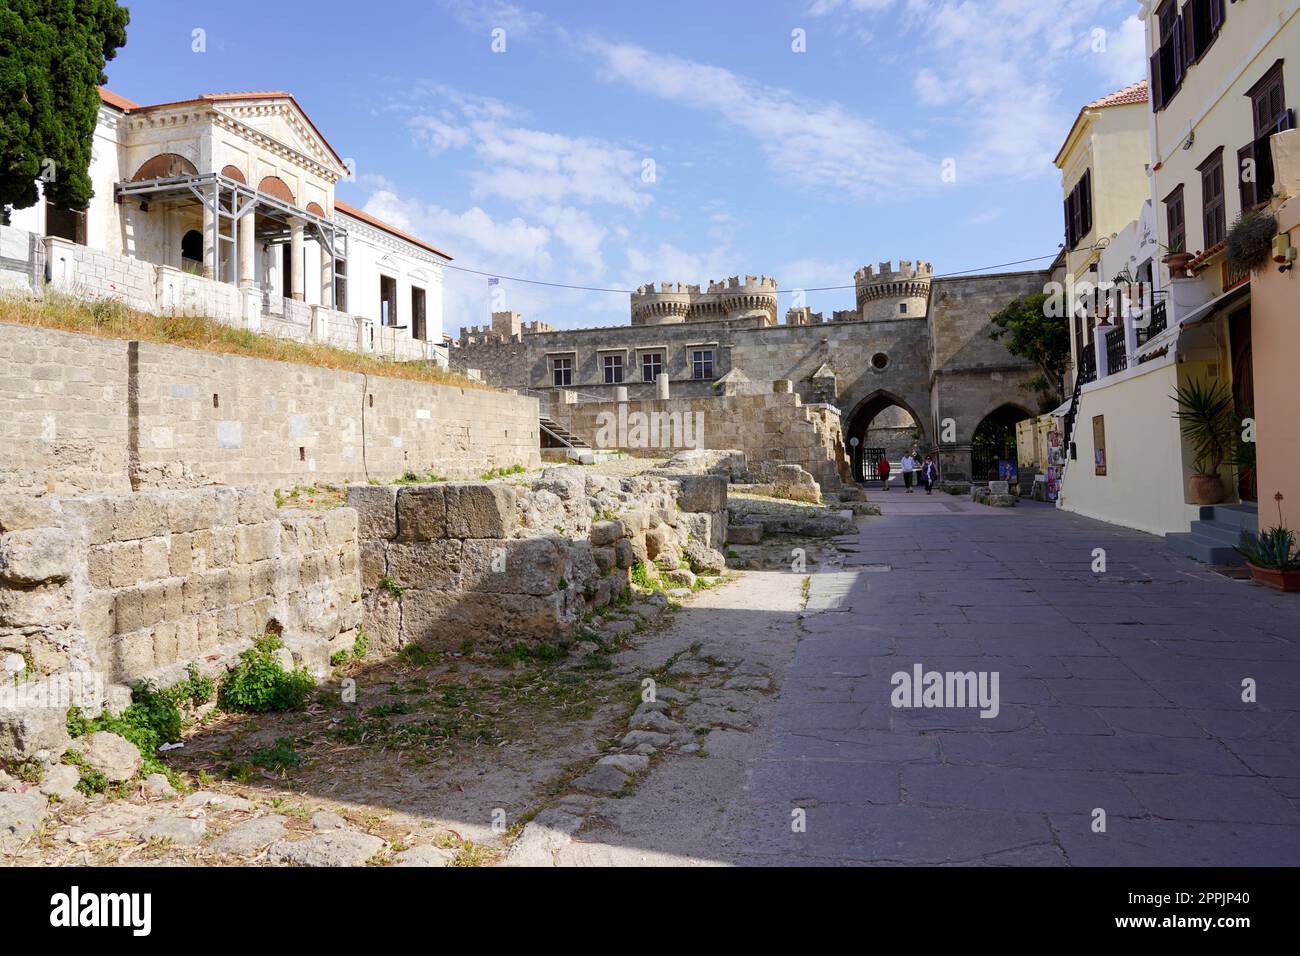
52 56
1030 333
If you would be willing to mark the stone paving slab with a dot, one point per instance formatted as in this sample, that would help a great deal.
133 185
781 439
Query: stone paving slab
1118 692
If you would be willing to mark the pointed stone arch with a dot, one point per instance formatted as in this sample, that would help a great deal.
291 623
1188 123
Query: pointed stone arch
859 419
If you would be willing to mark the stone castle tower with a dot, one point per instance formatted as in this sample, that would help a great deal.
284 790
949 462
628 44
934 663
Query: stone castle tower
751 302
893 294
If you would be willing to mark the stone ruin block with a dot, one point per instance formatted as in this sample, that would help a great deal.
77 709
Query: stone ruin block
376 508
480 510
422 513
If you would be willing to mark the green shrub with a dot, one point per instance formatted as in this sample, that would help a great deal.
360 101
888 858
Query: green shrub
280 756
258 684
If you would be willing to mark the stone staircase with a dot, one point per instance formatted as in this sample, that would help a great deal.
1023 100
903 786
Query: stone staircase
1214 535
560 434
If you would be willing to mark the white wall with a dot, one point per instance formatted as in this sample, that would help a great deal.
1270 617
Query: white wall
1145 481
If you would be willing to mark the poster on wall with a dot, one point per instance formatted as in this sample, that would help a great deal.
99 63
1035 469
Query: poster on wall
1053 481
1099 443
1008 471
1055 455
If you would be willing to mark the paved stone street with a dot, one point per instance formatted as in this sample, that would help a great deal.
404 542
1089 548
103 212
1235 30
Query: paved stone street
1119 692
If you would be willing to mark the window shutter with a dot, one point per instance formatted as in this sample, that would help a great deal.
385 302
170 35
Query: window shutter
1069 226
1246 187
1188 31
1180 51
1085 203
1216 16
1157 86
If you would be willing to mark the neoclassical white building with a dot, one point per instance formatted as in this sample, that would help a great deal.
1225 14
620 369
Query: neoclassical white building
224 205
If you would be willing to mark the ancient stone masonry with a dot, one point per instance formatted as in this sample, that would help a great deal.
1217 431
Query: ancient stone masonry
771 429
79 413
114 589
495 563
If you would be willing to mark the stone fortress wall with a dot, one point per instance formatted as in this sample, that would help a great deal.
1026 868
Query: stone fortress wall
915 342
80 413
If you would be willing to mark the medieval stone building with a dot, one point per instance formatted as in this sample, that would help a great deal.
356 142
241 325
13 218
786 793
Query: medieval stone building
912 365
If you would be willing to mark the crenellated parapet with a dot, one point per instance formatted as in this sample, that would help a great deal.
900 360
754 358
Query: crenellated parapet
884 292
751 299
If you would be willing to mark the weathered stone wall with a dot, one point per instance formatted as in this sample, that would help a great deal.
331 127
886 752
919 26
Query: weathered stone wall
496 563
63 412
774 428
974 375
133 586
88 414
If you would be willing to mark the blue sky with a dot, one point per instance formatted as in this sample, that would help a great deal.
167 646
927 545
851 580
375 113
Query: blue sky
612 144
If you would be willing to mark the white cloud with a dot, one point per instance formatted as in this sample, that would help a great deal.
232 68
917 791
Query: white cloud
818 145
1125 59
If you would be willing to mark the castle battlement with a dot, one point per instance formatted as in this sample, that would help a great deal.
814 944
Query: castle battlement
906 272
747 299
908 286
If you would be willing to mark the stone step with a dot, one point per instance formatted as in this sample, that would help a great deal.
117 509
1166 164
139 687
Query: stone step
1218 533
1242 517
1204 550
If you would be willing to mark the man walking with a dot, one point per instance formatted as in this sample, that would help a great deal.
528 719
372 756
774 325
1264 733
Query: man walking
929 474
909 468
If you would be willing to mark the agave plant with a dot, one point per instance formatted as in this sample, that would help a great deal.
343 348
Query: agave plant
1275 550
1208 421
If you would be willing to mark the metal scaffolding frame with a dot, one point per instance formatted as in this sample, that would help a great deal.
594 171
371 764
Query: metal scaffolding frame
229 201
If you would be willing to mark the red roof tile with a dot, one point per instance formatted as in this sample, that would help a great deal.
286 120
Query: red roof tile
1137 93
114 100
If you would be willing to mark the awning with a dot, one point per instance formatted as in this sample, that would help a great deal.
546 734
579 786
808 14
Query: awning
1215 306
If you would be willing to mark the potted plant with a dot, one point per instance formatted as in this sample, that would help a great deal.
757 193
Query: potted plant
1207 420
1273 559
1250 240
1176 258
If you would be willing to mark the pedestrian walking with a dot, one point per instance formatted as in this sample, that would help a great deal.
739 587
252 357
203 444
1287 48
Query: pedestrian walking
929 474
909 471
882 470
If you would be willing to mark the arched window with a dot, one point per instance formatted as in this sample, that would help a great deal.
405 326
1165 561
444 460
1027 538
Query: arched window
192 247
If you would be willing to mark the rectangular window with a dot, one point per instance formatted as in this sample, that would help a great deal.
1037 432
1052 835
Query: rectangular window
652 363
1269 115
613 366
1214 211
341 285
387 300
418 330
1078 211
1201 21
702 363
1167 62
1175 222
562 371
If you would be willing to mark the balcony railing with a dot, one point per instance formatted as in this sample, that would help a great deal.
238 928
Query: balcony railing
1087 365
1159 322
1116 353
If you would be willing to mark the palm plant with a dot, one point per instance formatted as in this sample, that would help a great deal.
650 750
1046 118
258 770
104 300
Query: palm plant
1208 421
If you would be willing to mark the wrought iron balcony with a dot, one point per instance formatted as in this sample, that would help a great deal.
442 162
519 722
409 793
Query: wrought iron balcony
1116 352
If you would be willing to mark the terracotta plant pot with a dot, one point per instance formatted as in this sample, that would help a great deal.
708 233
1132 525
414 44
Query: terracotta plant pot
1206 489
1282 580
1178 262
